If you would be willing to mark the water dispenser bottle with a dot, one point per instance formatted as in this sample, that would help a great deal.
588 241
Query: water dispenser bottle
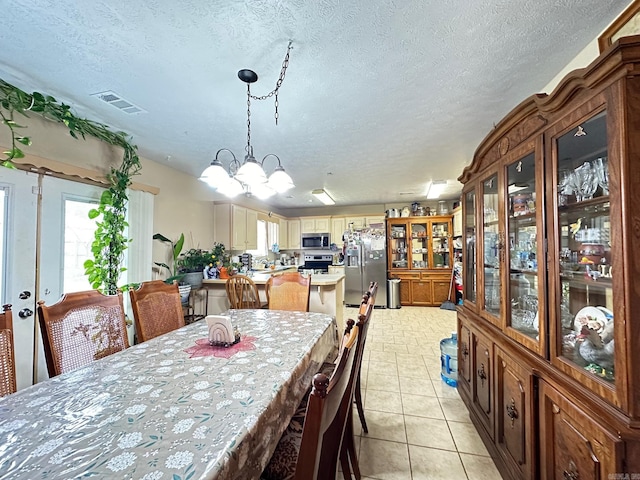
449 359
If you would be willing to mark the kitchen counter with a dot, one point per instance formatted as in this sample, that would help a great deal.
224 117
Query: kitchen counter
277 269
326 296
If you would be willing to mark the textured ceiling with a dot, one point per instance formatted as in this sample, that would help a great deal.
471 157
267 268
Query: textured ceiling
380 96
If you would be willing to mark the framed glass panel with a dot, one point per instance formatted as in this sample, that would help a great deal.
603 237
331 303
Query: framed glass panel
440 245
398 246
469 283
586 294
419 245
491 246
522 236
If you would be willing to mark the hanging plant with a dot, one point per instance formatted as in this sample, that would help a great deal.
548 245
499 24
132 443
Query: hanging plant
109 241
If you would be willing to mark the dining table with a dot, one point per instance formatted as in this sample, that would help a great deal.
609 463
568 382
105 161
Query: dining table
174 407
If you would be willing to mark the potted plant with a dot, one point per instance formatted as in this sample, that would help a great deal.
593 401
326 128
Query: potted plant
174 274
192 264
228 267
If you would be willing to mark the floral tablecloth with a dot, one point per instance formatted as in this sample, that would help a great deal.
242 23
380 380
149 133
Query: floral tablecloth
154 412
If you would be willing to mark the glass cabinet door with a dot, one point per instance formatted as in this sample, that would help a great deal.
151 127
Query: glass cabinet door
492 246
584 313
419 245
398 245
469 282
522 234
440 245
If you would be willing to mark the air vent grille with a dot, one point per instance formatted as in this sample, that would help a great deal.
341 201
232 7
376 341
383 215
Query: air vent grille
117 101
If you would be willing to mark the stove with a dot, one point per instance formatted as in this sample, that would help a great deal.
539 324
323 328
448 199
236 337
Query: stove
317 263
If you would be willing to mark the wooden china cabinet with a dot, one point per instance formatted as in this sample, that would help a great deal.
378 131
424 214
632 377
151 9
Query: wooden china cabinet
549 329
420 254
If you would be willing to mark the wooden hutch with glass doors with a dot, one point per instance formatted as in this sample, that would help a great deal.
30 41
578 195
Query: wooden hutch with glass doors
420 254
549 329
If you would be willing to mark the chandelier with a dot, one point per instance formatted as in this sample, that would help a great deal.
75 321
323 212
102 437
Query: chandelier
250 177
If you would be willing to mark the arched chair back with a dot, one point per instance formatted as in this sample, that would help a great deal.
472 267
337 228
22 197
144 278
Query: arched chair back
242 292
157 309
80 328
288 291
7 355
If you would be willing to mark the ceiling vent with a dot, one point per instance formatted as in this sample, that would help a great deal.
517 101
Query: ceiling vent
117 101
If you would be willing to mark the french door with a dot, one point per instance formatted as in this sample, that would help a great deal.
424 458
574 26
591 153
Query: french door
46 237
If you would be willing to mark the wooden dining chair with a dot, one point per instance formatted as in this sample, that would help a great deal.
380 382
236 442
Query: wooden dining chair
364 317
157 309
242 292
288 291
80 328
313 451
7 355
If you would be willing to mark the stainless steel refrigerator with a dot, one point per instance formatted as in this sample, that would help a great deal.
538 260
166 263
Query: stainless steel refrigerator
365 262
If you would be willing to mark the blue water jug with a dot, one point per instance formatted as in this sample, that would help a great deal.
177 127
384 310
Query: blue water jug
449 359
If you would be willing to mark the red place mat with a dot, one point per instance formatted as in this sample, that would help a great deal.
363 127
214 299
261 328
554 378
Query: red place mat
203 349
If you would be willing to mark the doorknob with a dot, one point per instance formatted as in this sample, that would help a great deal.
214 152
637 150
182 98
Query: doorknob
24 295
25 312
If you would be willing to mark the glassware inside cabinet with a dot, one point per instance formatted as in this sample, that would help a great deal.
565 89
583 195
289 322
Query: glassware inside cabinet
398 246
491 247
585 312
419 245
440 245
469 283
522 234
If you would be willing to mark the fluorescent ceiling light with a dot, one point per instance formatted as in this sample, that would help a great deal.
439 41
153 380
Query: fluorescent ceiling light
323 196
436 188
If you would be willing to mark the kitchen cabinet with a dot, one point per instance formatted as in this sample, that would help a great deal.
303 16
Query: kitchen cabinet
283 234
236 227
457 221
550 240
338 227
365 221
294 234
314 224
419 254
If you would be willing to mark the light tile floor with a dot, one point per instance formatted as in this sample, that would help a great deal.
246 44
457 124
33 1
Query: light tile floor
418 426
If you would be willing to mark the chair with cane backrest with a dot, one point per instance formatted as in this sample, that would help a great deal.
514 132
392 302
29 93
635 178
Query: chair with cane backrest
314 454
80 328
242 292
288 291
157 309
7 356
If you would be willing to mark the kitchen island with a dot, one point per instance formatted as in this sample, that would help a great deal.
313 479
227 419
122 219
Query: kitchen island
327 294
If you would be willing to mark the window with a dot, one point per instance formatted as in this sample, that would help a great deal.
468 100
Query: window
3 225
267 236
78 236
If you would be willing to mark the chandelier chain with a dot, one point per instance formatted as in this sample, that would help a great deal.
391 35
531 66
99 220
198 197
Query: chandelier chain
273 92
248 147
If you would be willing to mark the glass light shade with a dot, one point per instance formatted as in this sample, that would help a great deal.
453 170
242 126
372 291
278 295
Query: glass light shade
280 181
231 188
262 191
214 175
251 172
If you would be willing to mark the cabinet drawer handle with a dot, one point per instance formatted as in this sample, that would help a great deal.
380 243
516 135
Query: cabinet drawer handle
481 374
512 411
572 473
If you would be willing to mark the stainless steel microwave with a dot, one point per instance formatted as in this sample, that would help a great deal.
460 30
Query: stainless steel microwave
315 241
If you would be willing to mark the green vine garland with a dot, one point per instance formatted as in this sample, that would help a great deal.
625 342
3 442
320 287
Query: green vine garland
109 241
